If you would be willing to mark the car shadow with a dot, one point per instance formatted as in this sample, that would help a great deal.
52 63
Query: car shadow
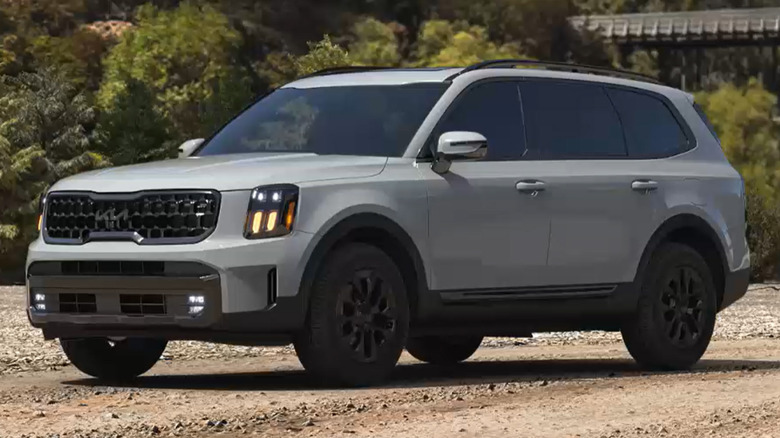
423 375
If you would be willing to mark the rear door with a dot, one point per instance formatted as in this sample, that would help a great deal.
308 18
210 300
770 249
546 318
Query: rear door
597 206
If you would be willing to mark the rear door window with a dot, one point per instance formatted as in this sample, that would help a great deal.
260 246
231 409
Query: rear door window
569 120
651 129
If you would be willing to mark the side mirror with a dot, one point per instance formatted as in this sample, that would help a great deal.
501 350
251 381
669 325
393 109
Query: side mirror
188 147
458 145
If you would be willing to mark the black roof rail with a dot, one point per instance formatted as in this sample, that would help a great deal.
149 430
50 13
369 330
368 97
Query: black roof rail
557 66
344 69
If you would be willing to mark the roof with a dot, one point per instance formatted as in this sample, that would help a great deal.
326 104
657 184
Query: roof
720 24
398 76
412 76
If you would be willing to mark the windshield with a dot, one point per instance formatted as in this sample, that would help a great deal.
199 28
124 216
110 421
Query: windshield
354 120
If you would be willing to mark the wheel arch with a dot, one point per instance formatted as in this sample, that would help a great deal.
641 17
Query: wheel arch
380 231
696 232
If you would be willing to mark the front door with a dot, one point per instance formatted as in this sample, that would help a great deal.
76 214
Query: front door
488 226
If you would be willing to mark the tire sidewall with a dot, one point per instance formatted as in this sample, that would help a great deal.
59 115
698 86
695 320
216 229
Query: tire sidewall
668 354
323 350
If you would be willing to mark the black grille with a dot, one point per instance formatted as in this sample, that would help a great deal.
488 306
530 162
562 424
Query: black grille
145 217
112 268
77 303
142 304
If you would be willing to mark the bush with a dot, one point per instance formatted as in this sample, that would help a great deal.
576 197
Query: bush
763 215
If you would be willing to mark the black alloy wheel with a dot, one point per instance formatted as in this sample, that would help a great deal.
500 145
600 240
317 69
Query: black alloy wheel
367 311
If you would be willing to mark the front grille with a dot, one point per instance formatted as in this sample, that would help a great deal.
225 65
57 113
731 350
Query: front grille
77 303
142 304
144 217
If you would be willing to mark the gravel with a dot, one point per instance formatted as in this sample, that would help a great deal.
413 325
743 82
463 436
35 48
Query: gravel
22 347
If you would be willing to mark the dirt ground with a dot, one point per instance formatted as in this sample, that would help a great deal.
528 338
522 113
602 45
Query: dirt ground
560 385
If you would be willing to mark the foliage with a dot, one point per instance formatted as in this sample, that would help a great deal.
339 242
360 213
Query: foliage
644 62
763 215
132 129
749 137
742 118
78 56
180 69
45 134
322 54
442 43
183 56
374 43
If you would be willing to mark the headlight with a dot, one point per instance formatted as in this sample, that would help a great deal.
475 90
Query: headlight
271 211
41 207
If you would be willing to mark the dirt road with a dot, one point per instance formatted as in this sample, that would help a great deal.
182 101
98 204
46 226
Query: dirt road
565 385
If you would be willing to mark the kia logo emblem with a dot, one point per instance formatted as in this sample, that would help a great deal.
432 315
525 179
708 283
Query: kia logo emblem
111 217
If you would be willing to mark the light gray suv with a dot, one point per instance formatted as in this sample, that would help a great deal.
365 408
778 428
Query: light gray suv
358 212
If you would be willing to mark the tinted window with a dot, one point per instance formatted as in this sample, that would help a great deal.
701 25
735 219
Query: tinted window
354 120
651 129
569 120
493 110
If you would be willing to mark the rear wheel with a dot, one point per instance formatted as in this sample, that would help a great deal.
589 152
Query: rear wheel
443 350
677 308
113 360
358 318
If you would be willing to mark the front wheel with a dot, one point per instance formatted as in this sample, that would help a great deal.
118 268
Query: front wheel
111 360
358 318
443 350
675 317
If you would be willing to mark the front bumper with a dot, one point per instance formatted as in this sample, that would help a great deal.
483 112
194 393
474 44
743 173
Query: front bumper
158 305
230 271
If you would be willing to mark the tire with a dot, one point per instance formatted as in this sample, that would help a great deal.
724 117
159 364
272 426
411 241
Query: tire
113 361
443 350
673 325
357 296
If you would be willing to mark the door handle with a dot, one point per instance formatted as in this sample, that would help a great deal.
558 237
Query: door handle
532 187
644 185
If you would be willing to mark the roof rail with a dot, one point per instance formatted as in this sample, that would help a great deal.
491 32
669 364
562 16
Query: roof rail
343 69
557 66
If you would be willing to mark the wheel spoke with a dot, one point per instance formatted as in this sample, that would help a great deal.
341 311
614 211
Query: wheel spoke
676 329
692 323
683 290
369 347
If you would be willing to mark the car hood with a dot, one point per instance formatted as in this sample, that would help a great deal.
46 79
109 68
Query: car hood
224 172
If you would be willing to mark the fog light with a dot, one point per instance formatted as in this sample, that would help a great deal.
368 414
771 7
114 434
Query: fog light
40 306
39 298
194 310
196 299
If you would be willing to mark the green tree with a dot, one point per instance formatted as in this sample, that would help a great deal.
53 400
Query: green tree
132 128
77 56
46 133
322 54
442 43
374 43
183 56
539 27
742 117
281 68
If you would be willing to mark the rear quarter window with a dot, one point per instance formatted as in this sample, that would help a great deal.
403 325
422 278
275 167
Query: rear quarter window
651 130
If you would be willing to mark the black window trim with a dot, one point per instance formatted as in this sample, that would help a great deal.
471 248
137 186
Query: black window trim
530 153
